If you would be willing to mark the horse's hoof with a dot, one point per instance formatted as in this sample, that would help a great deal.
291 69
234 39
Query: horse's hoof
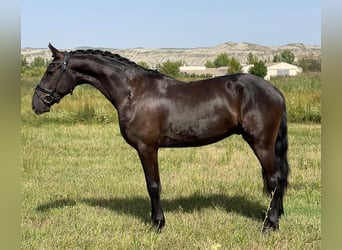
270 226
157 225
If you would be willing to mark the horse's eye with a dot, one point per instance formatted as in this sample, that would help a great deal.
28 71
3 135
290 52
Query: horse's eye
52 65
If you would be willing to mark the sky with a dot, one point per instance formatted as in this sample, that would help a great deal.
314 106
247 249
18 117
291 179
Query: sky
124 24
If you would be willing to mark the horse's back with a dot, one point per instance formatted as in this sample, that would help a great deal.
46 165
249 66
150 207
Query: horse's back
209 110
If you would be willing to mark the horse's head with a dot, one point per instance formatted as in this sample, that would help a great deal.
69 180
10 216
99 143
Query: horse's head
56 82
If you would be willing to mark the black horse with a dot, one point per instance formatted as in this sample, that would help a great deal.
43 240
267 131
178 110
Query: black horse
158 111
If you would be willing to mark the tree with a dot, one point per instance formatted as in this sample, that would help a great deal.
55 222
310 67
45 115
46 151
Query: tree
170 68
234 66
251 59
309 63
209 64
35 69
221 60
276 58
285 56
259 69
39 62
24 64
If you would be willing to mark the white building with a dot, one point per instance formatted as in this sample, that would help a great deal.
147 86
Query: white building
273 69
277 69
282 69
203 70
192 68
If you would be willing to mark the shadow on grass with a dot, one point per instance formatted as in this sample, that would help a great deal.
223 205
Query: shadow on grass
59 203
140 206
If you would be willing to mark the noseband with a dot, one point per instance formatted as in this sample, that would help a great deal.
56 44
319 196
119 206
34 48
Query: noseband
50 97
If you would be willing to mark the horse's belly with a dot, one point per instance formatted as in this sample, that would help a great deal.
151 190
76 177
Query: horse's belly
197 132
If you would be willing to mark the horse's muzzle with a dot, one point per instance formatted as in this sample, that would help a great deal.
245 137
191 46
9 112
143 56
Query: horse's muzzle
38 106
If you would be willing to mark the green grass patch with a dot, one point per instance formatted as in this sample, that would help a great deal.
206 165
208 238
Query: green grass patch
303 96
83 188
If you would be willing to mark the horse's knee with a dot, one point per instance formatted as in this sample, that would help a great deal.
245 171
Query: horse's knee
154 188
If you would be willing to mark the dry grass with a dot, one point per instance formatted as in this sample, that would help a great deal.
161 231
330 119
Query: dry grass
83 188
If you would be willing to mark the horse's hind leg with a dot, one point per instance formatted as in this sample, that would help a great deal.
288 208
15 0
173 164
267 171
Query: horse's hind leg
272 176
273 185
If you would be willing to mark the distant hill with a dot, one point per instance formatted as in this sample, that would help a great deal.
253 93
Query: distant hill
195 56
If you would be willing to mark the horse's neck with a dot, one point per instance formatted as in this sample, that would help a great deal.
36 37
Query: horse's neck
111 81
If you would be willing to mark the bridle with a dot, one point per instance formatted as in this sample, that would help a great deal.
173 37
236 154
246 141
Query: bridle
50 97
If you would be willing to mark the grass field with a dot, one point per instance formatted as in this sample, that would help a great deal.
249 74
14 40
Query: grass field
83 186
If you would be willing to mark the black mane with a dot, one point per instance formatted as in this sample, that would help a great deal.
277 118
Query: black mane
115 58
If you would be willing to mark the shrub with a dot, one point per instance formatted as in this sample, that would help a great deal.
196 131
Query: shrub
234 66
220 61
170 68
259 69
309 63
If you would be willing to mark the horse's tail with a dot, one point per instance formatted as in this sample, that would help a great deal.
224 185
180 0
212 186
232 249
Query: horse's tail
281 147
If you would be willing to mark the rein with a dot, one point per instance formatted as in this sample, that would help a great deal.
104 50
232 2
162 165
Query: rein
51 98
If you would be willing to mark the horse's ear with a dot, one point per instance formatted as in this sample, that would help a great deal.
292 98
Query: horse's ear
55 52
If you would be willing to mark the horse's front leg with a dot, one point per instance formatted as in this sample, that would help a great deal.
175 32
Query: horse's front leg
149 160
